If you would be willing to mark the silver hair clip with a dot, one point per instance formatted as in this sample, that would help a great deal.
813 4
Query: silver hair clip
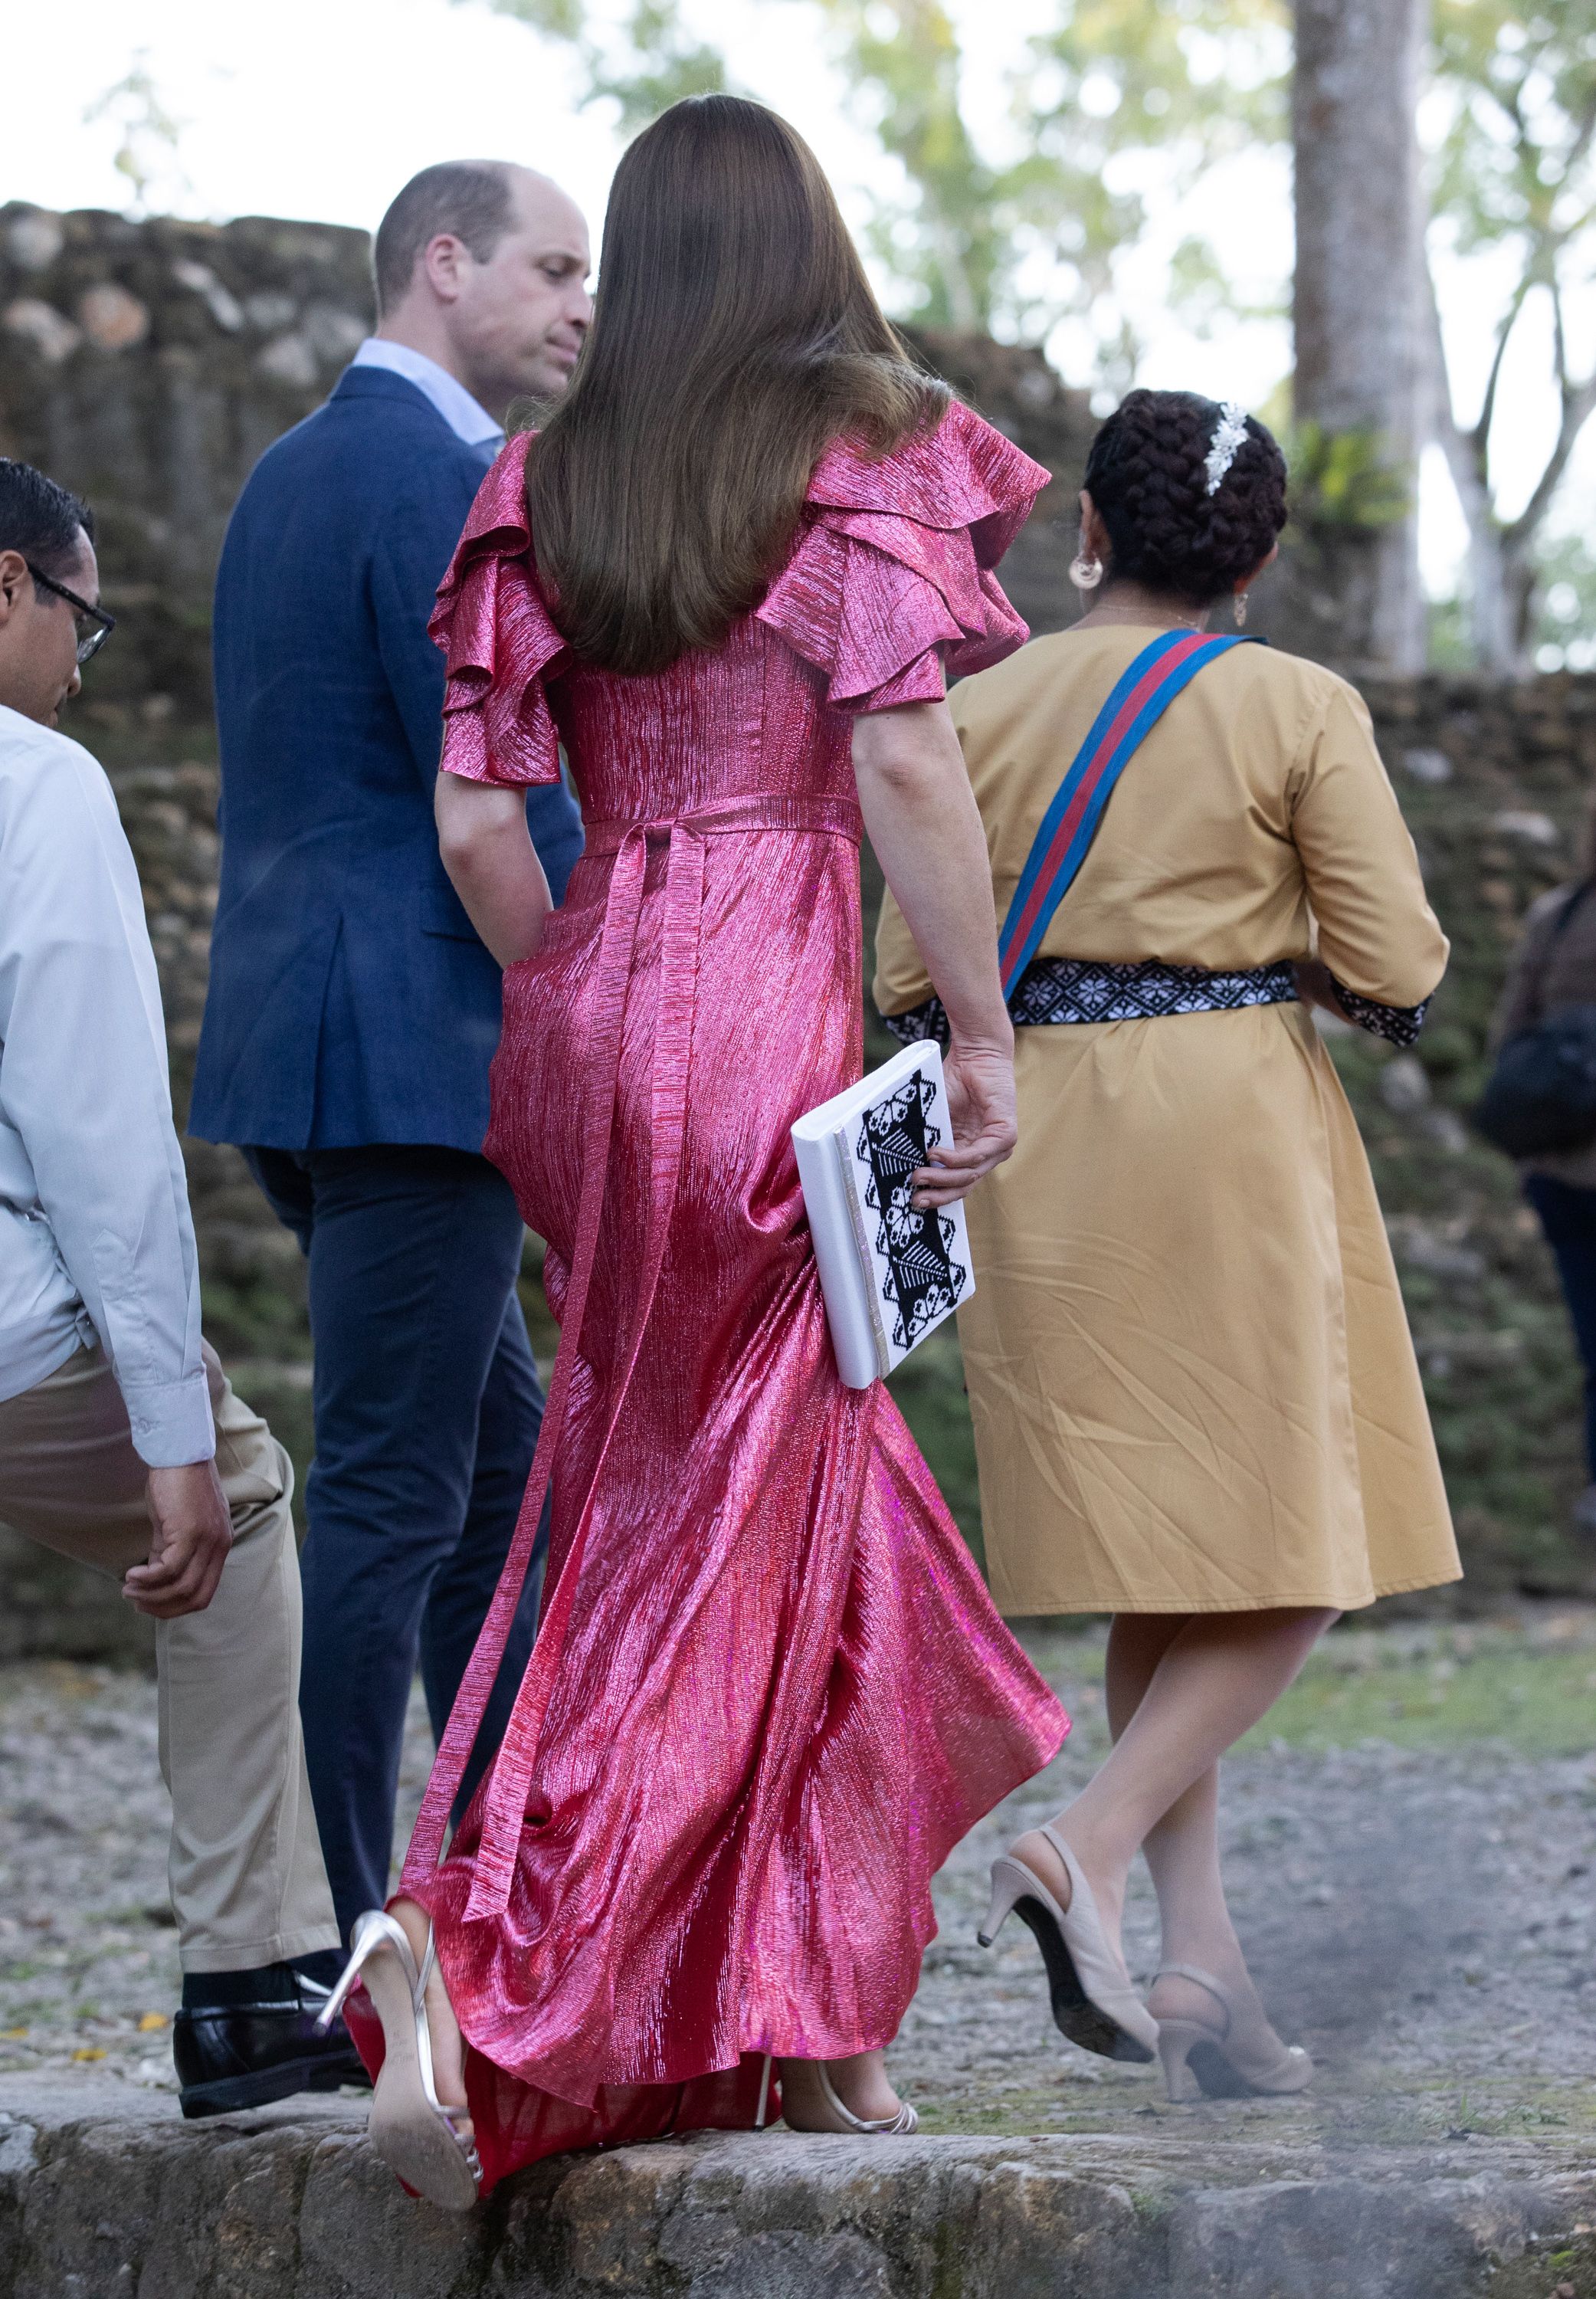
1226 441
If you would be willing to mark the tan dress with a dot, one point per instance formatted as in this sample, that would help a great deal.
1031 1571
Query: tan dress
1190 1371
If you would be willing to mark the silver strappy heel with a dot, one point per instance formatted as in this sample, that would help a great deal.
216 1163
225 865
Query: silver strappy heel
1094 2004
886 2127
416 2135
842 2116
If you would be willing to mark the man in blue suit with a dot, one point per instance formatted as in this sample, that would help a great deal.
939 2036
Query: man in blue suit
353 1011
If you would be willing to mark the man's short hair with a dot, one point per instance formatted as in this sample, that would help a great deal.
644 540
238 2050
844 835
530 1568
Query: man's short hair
470 198
40 519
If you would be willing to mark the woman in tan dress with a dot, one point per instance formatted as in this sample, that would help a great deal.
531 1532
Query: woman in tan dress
1195 1400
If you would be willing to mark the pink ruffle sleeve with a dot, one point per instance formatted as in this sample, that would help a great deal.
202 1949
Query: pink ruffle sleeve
499 642
891 579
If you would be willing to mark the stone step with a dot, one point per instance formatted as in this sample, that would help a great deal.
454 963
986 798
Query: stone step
105 2194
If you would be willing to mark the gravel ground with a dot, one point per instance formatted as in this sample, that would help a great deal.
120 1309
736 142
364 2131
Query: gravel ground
1421 1916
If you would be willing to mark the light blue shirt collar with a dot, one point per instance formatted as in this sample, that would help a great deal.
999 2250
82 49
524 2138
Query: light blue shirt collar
465 417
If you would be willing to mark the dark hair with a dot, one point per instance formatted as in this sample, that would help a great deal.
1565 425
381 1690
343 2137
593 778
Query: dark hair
735 337
1146 475
40 519
470 198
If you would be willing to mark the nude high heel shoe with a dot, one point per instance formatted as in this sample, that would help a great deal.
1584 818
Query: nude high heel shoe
1094 2002
1218 2062
411 2128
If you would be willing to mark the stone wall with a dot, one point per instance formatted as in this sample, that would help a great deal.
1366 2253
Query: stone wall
147 365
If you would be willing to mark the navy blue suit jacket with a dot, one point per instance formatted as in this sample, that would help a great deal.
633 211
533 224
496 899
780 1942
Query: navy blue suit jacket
351 1001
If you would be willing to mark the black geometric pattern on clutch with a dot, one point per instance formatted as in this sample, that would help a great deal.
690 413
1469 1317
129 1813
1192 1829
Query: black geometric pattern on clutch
1399 1025
895 1136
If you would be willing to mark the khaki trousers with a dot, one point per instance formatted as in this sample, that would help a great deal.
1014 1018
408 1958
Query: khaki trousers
247 1882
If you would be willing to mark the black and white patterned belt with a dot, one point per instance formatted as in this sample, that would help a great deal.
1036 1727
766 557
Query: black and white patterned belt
1055 990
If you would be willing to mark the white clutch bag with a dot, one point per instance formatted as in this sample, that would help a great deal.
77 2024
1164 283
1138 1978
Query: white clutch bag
889 1274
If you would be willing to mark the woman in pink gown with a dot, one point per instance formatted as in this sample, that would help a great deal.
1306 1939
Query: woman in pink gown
769 1692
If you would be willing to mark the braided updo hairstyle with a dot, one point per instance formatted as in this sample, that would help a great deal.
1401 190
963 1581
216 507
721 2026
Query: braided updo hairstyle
1147 476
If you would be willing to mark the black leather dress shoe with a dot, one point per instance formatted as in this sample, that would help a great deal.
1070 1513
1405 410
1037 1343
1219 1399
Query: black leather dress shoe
235 2055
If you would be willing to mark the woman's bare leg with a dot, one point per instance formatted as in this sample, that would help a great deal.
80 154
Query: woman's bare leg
1204 1680
1182 1851
448 2050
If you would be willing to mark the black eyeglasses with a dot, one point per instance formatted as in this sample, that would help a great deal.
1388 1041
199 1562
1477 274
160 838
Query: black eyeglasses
99 624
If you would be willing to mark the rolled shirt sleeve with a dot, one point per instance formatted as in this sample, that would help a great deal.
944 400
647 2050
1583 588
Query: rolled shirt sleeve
1376 932
84 1086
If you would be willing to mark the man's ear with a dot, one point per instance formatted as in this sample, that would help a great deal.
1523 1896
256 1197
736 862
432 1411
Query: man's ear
443 260
13 574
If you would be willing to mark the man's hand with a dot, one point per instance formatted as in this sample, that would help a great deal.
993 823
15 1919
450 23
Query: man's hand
193 1535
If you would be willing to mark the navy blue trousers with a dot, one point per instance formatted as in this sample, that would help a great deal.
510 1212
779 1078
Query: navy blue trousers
1569 1217
427 1409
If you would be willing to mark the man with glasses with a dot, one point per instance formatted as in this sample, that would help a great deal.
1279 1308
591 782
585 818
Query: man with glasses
121 1443
93 626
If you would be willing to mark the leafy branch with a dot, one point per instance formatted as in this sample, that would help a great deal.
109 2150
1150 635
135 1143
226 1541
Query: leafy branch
648 61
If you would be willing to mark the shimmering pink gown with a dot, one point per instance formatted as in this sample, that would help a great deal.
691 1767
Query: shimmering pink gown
769 1691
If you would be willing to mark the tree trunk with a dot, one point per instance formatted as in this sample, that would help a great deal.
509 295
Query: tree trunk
1358 313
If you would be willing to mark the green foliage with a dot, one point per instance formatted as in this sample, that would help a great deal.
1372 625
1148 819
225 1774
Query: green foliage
1449 646
660 63
562 19
952 240
1118 96
1128 100
1562 632
147 152
1565 628
642 65
1345 479
1118 90
1116 109
1440 1689
1516 161
1516 173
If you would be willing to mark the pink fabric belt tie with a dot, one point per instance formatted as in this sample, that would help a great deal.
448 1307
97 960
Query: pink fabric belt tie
510 1785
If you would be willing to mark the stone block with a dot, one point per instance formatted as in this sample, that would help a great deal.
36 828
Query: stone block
104 2193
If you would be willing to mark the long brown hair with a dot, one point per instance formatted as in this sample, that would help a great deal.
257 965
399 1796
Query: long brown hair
735 335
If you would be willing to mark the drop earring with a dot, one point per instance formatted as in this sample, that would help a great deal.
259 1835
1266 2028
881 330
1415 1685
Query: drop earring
1085 573
1241 609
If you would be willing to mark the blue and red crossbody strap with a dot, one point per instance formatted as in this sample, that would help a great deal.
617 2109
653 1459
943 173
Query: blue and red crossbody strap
1070 824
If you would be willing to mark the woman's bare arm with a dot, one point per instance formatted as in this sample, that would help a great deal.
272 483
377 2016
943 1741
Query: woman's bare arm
493 864
923 821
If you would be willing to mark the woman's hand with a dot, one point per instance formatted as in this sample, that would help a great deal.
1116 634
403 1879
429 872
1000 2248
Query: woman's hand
980 1096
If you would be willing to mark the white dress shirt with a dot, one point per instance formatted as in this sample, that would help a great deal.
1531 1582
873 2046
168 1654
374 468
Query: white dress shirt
95 1234
465 417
